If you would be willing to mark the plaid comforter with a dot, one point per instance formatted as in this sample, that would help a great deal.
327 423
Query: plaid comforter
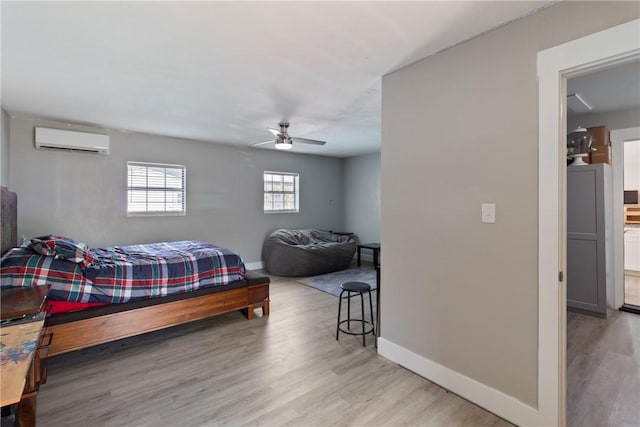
128 273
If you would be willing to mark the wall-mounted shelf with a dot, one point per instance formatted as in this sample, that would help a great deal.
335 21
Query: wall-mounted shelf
632 214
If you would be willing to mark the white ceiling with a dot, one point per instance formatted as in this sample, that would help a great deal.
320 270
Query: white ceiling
608 90
225 71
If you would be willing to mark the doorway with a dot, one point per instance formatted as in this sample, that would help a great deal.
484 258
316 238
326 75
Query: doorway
606 105
616 45
631 154
599 353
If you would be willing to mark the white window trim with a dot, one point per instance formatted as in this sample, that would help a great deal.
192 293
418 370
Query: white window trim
296 177
183 212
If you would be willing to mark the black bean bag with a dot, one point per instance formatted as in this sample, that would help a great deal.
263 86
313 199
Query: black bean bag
294 253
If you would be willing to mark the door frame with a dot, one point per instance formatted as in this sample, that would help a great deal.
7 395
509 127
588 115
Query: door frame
618 138
616 45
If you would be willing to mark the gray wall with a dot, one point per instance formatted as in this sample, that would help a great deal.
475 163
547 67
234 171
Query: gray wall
622 119
362 197
461 128
4 149
84 195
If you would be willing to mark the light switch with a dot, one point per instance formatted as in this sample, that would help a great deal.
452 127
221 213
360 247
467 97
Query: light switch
489 213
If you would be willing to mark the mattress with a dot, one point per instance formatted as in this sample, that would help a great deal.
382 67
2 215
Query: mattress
117 274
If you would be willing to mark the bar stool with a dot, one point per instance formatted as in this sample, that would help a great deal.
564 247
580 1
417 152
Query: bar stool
355 288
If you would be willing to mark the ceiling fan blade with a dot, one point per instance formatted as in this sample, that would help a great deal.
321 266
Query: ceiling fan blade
308 141
275 132
262 143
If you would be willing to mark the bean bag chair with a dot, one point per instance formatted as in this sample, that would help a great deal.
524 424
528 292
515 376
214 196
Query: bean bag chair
295 253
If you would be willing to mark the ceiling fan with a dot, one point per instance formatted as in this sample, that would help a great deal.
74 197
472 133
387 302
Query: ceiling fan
285 142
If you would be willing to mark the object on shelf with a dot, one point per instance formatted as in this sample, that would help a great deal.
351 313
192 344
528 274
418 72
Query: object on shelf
579 143
632 214
601 145
631 197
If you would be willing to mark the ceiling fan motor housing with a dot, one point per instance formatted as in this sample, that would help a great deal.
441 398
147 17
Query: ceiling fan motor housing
283 127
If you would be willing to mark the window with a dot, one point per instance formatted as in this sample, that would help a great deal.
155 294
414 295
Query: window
155 189
281 192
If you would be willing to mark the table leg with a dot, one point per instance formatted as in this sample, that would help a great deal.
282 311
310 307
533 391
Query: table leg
377 303
375 257
26 412
349 310
359 248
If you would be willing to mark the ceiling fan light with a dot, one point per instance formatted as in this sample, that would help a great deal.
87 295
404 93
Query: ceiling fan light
284 144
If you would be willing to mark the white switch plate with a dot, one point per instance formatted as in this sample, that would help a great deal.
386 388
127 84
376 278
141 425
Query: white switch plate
488 213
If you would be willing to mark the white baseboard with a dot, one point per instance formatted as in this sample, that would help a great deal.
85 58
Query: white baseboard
489 398
253 265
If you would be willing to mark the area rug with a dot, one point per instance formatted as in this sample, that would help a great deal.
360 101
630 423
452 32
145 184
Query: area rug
330 282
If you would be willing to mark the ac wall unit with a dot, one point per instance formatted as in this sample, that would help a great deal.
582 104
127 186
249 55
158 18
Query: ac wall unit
72 140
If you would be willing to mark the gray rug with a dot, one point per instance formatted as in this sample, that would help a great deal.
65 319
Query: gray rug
330 282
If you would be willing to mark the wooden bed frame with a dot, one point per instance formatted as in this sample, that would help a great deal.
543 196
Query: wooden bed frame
81 333
87 332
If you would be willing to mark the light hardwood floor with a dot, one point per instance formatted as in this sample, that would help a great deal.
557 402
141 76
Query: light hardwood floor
632 289
286 369
603 370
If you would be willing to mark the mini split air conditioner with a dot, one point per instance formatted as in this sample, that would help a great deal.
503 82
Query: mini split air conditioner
72 140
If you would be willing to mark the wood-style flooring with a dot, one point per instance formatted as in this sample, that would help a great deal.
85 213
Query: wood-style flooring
288 369
603 370
284 369
632 289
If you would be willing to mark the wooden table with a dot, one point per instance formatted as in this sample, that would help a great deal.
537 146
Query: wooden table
23 350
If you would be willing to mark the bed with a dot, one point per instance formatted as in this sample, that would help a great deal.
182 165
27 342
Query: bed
101 295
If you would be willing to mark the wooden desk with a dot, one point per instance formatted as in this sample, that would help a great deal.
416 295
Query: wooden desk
23 351
19 343
20 302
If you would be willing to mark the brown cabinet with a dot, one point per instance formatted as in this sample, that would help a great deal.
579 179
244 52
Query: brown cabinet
601 144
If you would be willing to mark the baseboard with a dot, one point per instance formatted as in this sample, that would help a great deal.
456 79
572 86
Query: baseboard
253 265
630 308
628 272
489 398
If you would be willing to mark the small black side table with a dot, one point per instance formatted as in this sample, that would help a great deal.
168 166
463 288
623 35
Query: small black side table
375 247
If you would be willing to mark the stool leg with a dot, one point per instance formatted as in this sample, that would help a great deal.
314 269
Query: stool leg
362 307
371 311
339 311
349 310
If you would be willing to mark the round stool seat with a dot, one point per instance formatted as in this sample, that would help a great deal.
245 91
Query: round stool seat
359 289
355 287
